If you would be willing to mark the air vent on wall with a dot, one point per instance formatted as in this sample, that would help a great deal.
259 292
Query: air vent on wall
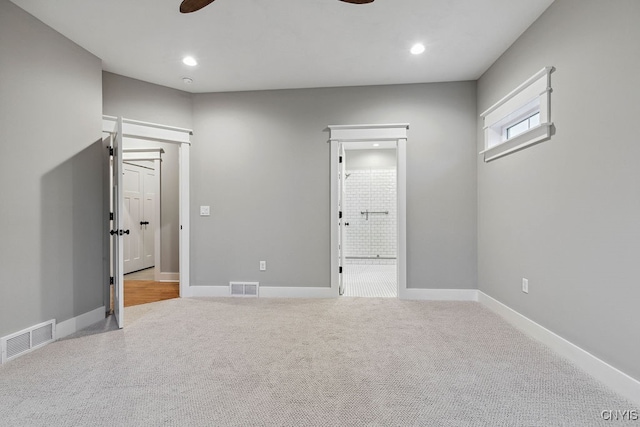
244 289
29 339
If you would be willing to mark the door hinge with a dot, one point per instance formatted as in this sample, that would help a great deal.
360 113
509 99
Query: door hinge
111 280
111 215
110 150
340 160
340 215
340 270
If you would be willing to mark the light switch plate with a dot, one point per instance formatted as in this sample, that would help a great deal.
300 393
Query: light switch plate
205 211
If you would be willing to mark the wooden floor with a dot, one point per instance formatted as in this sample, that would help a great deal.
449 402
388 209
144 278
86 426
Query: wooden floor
138 292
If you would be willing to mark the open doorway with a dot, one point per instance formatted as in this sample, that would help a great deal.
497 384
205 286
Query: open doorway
137 136
370 232
150 192
368 210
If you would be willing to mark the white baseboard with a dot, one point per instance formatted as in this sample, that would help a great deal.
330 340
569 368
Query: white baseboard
614 378
168 277
439 294
77 323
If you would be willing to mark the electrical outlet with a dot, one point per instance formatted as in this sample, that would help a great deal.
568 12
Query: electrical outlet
525 285
263 265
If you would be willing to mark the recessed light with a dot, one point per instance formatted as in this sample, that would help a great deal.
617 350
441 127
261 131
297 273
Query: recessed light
417 49
190 61
187 80
376 145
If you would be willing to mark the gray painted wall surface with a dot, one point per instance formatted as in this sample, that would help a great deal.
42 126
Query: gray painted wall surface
261 161
52 206
565 213
370 159
138 100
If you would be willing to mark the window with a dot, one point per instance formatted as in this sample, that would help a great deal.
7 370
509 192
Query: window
519 119
522 126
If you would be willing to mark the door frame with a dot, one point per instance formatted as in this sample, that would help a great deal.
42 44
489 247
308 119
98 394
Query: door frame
342 177
345 135
135 129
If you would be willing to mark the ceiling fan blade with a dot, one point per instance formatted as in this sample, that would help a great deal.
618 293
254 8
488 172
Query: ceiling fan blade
357 1
188 6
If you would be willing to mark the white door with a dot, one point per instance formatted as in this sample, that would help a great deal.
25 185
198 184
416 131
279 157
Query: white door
118 229
133 181
148 218
341 223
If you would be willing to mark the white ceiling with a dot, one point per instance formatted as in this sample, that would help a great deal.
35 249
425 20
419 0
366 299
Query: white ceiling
278 44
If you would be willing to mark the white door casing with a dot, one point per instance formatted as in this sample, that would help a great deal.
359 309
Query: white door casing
342 160
185 221
344 137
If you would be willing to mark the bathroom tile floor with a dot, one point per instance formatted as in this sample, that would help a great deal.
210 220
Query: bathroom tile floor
374 281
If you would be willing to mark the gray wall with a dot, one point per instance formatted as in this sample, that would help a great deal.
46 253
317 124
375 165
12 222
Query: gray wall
565 213
51 215
138 100
261 161
370 159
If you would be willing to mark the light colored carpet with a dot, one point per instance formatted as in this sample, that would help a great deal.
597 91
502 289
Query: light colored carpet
283 362
370 281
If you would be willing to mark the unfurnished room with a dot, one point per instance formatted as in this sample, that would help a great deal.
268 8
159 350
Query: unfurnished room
320 213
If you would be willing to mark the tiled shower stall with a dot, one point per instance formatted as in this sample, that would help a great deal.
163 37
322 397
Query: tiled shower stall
370 212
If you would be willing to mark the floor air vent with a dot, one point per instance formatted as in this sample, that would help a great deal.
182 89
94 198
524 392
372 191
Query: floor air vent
244 289
29 339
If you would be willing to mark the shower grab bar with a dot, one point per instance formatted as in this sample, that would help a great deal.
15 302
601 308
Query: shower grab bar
370 212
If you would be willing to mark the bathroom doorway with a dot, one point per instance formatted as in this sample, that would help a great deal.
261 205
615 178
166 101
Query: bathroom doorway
368 210
370 232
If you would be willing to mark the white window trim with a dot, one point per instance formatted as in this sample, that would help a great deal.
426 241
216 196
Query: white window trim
536 89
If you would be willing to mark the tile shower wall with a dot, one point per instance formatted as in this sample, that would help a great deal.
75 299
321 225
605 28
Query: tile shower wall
370 240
